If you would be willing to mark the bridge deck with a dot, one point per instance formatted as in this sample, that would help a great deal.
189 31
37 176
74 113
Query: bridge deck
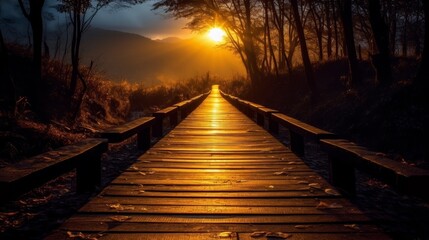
219 175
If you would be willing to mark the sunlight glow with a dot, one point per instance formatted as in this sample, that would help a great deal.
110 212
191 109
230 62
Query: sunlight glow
216 34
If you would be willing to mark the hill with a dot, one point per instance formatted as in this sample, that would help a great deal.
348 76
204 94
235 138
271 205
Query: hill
142 60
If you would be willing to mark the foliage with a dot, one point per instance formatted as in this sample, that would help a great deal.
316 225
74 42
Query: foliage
146 100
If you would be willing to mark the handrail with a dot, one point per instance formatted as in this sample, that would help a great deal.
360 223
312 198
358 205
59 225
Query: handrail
147 128
344 156
84 156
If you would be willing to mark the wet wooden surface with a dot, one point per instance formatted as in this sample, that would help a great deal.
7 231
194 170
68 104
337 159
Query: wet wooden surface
218 175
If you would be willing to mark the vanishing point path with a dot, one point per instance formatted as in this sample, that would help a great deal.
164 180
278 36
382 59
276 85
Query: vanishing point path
218 175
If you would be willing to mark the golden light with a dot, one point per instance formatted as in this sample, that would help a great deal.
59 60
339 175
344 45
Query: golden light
216 34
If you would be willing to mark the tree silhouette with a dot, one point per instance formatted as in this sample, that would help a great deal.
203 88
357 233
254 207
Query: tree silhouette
33 13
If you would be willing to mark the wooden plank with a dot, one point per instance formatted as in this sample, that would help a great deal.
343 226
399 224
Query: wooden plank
231 219
271 194
144 236
248 202
194 182
130 227
230 187
210 210
222 166
303 177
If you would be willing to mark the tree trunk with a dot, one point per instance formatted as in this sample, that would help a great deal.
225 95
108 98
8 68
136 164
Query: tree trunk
34 16
423 72
74 60
328 30
405 37
249 47
304 52
7 88
380 61
346 16
393 26
269 42
335 18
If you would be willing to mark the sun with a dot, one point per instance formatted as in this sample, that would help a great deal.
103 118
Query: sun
216 34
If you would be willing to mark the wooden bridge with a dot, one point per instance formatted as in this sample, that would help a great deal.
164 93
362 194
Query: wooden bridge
218 175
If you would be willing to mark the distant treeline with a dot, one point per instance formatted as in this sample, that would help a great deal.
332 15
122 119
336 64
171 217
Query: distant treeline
269 34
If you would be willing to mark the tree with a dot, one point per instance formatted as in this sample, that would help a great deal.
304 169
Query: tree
80 16
317 11
423 72
346 16
81 13
381 60
33 13
7 89
304 51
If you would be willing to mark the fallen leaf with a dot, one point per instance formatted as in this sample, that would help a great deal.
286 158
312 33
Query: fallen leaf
303 182
302 226
141 191
134 168
278 235
379 154
142 173
281 173
324 205
332 192
150 172
120 218
271 186
75 235
239 181
335 206
80 235
47 158
352 226
116 206
225 235
315 185
258 234
146 161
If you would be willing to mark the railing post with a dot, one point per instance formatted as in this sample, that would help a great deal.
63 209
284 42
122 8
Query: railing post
260 119
88 173
158 125
342 174
143 138
273 126
173 118
296 143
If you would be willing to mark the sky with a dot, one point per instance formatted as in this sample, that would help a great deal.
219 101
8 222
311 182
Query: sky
140 19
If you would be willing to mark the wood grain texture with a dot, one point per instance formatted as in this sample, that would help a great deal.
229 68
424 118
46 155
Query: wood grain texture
219 174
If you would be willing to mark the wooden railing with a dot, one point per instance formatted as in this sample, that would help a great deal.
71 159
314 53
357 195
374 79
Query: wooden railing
85 156
147 128
344 156
30 173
